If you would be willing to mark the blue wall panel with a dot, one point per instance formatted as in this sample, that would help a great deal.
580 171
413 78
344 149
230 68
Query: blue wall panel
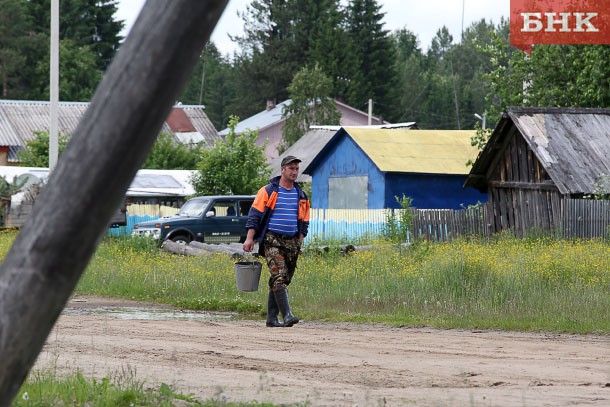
346 159
431 191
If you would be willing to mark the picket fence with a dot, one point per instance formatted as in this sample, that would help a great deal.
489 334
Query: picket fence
325 224
579 218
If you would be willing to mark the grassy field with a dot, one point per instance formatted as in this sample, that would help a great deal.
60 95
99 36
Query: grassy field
509 284
536 284
512 284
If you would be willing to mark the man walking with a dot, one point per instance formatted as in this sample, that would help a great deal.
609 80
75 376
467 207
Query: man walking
278 220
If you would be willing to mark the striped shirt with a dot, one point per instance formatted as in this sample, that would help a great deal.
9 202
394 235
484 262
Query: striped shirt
283 220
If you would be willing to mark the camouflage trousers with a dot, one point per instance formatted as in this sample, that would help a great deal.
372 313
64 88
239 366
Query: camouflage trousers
281 253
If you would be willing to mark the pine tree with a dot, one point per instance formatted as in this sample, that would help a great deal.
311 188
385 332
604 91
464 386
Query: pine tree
372 54
320 33
215 74
410 71
270 47
282 36
86 22
14 26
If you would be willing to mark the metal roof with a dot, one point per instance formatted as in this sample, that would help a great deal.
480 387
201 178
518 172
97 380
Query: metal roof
267 118
405 125
19 119
312 142
306 149
416 151
145 183
572 145
261 120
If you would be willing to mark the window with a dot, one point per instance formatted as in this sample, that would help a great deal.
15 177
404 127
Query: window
348 193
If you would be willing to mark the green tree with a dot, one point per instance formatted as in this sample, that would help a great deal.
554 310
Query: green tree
13 28
470 65
36 151
269 44
88 23
552 76
282 36
89 39
372 53
78 73
235 165
411 74
321 34
168 154
311 105
212 85
248 90
440 106
447 86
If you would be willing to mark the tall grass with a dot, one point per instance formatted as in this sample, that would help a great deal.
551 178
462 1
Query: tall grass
507 283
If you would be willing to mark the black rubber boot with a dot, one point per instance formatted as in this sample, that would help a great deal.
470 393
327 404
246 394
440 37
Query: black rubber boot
272 312
281 296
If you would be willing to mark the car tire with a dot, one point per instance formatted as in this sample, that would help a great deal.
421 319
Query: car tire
181 239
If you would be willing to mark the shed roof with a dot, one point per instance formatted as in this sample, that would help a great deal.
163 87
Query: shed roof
306 149
19 119
415 151
572 145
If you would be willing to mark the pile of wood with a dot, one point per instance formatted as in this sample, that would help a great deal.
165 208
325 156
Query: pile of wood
194 248
236 251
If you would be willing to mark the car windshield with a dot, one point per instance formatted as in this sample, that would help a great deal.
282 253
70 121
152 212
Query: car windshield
193 208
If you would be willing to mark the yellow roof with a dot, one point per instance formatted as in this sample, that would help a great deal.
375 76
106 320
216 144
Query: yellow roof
417 151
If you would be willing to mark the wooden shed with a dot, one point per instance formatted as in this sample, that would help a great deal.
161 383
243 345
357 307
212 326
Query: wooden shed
536 158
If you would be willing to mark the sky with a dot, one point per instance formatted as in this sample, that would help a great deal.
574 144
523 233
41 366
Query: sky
423 17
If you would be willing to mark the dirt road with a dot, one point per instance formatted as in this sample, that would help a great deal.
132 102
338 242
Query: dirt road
328 364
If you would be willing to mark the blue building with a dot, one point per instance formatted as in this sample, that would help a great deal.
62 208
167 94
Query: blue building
366 168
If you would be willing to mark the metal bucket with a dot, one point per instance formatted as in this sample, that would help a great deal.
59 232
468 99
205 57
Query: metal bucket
247 275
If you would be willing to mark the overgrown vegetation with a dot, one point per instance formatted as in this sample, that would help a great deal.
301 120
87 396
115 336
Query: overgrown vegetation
507 283
36 151
234 166
169 154
398 222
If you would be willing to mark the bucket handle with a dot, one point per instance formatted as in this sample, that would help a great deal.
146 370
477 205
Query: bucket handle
246 256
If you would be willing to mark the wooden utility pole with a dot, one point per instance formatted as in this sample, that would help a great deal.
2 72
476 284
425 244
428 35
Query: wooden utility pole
54 87
90 180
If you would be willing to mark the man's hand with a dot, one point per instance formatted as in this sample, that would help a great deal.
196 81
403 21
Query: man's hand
249 243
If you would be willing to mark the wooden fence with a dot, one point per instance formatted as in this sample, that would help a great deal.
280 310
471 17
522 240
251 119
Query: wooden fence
574 218
585 218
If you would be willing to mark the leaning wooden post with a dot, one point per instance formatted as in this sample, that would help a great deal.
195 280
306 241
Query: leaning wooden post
90 180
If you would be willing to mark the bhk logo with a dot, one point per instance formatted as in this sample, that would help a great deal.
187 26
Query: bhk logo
559 22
